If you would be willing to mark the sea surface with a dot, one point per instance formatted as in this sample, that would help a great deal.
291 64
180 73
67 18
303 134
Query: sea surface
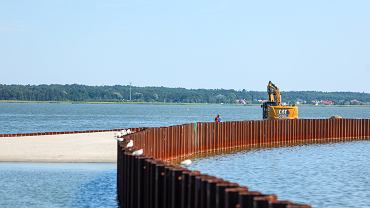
56 185
30 117
337 174
326 175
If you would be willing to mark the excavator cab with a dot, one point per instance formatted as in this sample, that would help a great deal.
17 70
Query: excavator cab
273 108
265 108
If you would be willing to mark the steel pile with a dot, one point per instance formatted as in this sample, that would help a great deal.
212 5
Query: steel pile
153 180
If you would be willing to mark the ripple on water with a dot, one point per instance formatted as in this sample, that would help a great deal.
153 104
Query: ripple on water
326 175
57 185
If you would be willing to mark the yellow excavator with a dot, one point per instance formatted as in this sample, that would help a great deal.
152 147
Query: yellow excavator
274 109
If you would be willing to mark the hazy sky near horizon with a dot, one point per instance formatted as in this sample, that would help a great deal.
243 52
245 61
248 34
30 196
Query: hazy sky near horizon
300 45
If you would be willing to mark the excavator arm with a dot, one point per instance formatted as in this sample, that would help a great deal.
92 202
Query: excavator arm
273 93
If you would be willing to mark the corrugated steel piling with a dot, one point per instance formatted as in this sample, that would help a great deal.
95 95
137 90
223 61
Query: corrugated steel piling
150 181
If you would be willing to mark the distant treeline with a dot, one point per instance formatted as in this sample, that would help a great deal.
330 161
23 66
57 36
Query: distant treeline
121 93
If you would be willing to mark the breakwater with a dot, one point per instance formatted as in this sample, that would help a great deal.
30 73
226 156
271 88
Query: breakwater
66 132
151 180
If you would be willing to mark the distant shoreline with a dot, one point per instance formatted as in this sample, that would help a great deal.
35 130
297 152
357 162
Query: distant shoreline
101 102
127 94
158 103
116 102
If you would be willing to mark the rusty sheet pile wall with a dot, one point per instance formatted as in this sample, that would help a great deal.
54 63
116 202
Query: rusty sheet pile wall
149 180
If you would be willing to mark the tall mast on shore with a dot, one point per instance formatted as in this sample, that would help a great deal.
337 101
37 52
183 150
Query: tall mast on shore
130 90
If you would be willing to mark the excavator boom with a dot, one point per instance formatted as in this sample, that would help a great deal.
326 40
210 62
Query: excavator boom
273 93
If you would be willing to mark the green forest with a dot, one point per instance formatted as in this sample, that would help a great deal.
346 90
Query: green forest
121 93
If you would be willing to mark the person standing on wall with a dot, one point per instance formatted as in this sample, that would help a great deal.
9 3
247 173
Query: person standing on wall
218 118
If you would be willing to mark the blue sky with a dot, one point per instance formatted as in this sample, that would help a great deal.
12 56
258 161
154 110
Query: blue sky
300 45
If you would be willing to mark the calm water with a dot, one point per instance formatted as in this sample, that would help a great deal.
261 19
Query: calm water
57 185
330 175
310 173
25 117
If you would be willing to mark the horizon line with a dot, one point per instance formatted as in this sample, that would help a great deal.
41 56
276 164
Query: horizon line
138 86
